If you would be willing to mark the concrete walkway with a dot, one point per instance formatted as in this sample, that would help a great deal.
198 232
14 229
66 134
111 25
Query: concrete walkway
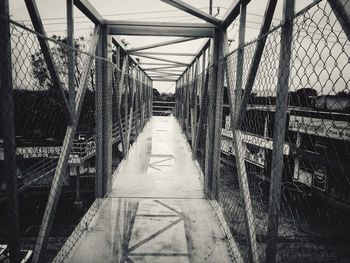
156 211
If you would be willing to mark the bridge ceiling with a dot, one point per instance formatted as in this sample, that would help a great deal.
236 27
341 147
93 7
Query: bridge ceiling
135 11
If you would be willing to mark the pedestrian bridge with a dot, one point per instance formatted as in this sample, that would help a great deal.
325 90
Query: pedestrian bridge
156 210
248 160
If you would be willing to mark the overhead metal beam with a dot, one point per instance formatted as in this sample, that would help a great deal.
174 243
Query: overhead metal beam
152 74
179 72
161 44
164 54
161 77
166 67
165 70
134 28
161 74
167 80
155 77
232 12
163 59
51 66
161 64
193 11
89 10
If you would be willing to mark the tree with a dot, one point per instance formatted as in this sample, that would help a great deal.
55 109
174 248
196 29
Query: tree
60 56
156 93
303 97
343 94
38 106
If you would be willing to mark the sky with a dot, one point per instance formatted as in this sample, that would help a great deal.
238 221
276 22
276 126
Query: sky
53 13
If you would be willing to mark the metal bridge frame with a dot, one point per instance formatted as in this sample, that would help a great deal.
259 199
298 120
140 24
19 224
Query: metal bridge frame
215 48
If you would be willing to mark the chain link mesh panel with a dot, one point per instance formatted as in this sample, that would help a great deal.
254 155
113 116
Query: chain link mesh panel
314 205
44 137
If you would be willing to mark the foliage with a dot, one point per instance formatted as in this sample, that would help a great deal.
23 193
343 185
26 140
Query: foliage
60 56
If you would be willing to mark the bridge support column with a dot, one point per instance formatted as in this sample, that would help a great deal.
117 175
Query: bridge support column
103 102
279 130
8 131
214 118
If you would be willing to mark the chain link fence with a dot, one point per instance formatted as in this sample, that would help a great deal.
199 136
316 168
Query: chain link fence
59 164
313 209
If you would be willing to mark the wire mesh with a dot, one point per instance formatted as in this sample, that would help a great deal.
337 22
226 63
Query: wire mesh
53 154
314 205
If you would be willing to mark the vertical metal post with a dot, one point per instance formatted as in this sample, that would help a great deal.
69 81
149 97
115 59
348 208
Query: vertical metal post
119 91
191 103
219 71
183 100
99 119
107 108
71 59
279 130
240 60
235 101
297 156
147 98
179 85
215 96
126 101
8 131
103 115
188 89
137 99
178 96
148 95
116 93
131 111
194 102
203 112
77 197
176 100
203 74
209 119
143 102
150 98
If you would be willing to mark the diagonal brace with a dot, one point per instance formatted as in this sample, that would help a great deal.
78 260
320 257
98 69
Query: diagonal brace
51 66
256 60
194 11
57 182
